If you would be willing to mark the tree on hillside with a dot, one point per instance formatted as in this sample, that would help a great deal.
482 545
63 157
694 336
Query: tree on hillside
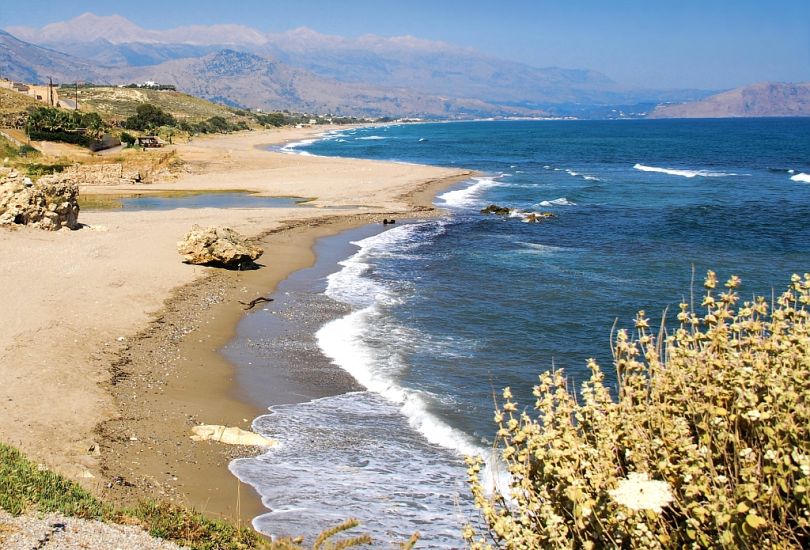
53 124
149 117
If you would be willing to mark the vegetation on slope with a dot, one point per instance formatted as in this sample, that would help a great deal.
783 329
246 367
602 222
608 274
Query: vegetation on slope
706 446
118 104
26 487
52 124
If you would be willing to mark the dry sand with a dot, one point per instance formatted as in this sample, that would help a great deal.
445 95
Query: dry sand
108 347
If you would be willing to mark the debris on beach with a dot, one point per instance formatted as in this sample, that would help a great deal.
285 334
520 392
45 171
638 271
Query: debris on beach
253 303
50 203
230 436
217 245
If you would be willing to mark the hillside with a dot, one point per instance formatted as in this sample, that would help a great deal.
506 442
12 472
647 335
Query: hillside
120 103
24 62
766 99
249 80
15 102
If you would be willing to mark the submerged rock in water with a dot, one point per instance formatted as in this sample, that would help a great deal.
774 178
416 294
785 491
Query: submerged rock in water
51 203
495 209
217 245
230 436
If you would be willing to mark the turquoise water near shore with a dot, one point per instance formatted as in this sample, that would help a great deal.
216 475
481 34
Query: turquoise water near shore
443 313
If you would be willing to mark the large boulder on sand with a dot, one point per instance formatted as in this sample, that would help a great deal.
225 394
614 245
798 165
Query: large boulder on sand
217 245
51 203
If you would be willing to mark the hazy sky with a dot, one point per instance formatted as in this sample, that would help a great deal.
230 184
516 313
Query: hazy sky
653 43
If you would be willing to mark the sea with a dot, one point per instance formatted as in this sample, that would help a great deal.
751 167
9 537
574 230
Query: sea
435 317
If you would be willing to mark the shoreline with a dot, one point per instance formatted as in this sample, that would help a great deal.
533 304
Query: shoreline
168 353
111 306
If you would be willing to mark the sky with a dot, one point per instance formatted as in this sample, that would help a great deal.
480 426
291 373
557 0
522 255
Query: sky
707 44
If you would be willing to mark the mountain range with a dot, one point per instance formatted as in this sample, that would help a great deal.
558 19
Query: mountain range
303 70
772 99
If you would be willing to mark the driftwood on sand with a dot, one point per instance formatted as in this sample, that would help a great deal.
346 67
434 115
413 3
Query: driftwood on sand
251 304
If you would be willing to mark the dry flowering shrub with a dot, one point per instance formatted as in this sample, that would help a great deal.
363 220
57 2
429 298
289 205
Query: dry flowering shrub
706 444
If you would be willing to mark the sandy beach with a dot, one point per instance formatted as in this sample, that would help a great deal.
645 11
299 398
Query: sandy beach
109 348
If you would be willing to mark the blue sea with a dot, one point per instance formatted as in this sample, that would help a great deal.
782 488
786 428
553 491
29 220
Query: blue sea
440 314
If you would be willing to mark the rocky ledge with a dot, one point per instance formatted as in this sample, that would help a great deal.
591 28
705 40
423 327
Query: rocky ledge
50 203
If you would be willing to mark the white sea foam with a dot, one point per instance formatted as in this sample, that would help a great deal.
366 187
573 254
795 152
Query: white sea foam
562 201
537 248
580 175
801 176
371 138
468 196
344 340
685 173
354 455
381 455
293 148
354 342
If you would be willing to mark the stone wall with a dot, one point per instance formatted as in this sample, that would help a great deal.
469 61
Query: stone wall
101 174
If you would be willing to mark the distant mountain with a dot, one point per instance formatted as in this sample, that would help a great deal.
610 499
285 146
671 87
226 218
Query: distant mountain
249 80
758 100
404 62
29 63
240 79
120 30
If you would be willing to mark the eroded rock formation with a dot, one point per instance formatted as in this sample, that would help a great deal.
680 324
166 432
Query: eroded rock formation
51 203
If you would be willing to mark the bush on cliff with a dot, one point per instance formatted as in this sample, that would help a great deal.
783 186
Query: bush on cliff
706 445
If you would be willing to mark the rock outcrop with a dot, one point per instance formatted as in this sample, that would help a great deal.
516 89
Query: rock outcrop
217 245
495 209
51 203
230 436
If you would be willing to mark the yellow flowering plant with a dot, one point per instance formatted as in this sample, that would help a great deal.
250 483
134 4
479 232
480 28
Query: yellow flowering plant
705 445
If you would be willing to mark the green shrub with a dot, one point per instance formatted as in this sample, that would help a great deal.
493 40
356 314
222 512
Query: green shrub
52 124
38 169
127 139
706 445
148 117
26 150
